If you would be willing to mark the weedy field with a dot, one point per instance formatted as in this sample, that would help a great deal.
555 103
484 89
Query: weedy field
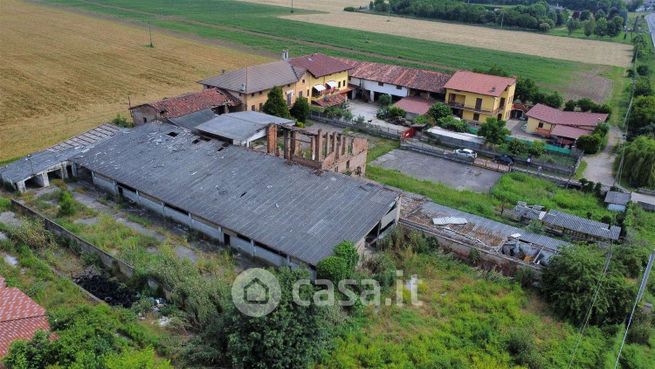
261 26
62 73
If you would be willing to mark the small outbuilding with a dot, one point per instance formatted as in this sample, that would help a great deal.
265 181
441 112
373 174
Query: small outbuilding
617 201
240 128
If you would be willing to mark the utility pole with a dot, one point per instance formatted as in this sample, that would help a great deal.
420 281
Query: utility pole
640 294
292 6
150 36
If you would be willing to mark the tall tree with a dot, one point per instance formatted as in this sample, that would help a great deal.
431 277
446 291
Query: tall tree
276 104
300 109
642 114
494 131
639 162
589 27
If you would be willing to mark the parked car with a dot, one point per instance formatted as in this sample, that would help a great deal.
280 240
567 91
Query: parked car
467 153
504 159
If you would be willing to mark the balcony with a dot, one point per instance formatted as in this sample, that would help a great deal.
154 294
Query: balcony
455 105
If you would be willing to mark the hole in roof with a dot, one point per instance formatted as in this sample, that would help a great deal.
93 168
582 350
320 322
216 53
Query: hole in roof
195 141
172 134
243 194
220 148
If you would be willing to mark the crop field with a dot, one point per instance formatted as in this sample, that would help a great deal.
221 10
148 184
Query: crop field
62 73
261 26
531 43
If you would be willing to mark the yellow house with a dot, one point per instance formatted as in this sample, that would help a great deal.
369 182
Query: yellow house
476 96
327 81
251 85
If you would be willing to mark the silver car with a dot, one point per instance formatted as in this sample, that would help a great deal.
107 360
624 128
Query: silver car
467 153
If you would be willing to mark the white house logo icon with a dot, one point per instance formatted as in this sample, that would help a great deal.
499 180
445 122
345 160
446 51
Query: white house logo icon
256 292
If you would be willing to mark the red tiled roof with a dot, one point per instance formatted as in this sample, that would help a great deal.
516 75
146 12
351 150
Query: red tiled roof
569 118
418 79
415 105
20 317
483 84
319 65
192 102
568 132
331 100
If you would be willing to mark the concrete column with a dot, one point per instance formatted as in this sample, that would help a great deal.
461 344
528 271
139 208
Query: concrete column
372 96
319 145
42 180
328 144
287 145
271 139
74 169
20 186
312 145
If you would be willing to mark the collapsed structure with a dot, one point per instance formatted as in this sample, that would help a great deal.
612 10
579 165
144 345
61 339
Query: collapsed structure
573 226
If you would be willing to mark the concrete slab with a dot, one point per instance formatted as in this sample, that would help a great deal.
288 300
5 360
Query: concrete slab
10 219
369 112
87 221
186 253
450 173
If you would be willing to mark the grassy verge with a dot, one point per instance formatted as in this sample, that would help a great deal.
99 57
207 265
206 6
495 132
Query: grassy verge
510 188
579 173
380 147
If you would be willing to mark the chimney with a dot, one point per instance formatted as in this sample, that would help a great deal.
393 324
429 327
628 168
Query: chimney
285 54
243 87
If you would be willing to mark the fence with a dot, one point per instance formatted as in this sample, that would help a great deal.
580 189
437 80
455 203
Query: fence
477 145
82 246
371 129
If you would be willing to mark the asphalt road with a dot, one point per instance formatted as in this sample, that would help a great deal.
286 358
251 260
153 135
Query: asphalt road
650 19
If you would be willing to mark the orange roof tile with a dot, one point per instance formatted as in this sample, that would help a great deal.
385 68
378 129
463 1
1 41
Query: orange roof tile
483 84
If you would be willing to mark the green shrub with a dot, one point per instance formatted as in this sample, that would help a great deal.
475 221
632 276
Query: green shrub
67 205
517 147
349 9
121 121
439 111
5 204
300 109
384 100
395 112
276 104
452 124
332 268
382 268
347 251
643 70
589 144
537 148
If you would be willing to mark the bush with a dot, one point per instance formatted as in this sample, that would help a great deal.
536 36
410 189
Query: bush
382 268
349 9
121 121
570 105
522 348
67 205
452 124
395 112
384 100
643 87
537 148
332 268
643 70
439 111
517 147
347 251
590 144
585 104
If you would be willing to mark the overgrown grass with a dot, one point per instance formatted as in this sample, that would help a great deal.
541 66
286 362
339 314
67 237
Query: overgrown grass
467 320
380 147
510 189
579 173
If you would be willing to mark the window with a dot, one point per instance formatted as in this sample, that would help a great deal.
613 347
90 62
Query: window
252 108
261 93
541 125
476 117
339 84
303 81
399 87
261 105
145 120
252 94
380 84
350 78
307 92
299 93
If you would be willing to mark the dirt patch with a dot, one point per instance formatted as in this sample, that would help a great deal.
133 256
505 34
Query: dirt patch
589 84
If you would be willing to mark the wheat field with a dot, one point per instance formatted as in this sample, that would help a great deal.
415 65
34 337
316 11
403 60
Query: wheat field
62 73
531 43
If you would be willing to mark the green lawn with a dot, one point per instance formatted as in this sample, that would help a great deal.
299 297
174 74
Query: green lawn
236 21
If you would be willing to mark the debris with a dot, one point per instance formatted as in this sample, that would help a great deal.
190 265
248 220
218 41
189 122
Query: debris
449 220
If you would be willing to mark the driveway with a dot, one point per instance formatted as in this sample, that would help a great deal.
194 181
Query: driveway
369 111
514 125
450 173
600 166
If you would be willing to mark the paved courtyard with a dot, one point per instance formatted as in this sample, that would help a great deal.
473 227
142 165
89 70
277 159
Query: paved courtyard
369 111
514 126
450 173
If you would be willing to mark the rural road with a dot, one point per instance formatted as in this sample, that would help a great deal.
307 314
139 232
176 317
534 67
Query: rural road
650 19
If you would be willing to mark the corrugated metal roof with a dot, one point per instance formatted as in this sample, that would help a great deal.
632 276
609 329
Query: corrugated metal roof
617 198
285 206
191 121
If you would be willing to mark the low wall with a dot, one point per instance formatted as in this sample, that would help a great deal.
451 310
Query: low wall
81 246
363 127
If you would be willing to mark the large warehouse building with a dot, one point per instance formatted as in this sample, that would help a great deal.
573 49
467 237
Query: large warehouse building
261 205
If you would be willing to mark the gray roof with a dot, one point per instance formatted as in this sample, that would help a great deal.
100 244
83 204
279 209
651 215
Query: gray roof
41 161
288 207
192 120
491 226
617 198
240 126
582 225
257 78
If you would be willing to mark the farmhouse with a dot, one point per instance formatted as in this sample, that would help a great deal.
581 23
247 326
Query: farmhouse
370 80
20 317
327 78
178 106
259 204
564 126
476 96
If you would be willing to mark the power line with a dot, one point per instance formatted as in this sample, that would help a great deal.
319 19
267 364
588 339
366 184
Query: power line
608 258
640 294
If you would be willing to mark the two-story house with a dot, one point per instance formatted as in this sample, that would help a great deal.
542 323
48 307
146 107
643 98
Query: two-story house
476 96
327 78
251 85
